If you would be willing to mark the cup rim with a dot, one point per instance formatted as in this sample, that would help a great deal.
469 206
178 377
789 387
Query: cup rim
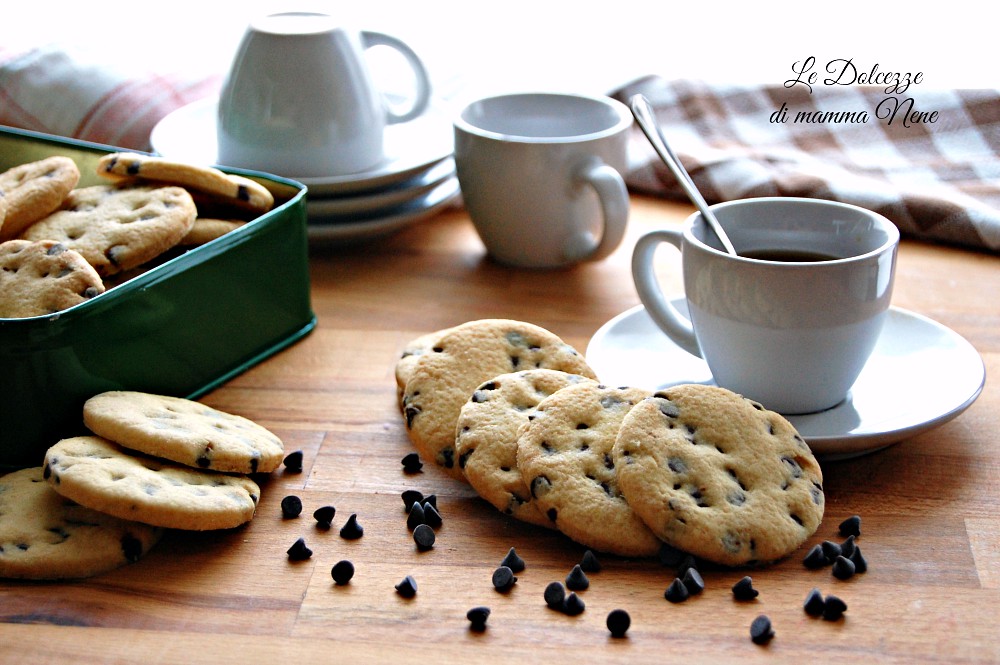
623 122
891 230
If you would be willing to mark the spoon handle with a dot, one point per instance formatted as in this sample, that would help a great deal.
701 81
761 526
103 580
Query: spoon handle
643 113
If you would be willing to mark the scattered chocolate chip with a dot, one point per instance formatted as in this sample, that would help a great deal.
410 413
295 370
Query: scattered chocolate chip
814 604
670 556
847 547
743 589
424 537
676 592
411 497
833 608
342 572
589 563
816 558
513 561
432 517
843 568
351 529
573 605
291 507
432 499
299 551
555 595
851 526
503 579
407 588
693 581
324 516
477 617
293 462
860 563
411 463
761 631
577 579
416 517
618 622
831 550
688 561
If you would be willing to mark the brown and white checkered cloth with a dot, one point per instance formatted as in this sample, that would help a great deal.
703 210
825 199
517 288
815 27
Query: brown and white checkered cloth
937 180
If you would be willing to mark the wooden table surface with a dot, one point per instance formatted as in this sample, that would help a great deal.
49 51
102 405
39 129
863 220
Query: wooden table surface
929 505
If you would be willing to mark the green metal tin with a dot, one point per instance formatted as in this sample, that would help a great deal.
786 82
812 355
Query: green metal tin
182 328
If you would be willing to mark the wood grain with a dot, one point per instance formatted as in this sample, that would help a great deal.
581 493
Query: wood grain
929 505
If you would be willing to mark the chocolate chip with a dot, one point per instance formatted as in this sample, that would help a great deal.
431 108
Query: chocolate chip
687 562
833 608
291 506
851 526
555 595
670 556
431 499
814 604
411 463
407 588
676 592
293 462
342 572
324 516
477 617
843 568
416 516
432 517
618 622
760 630
590 563
693 581
743 589
860 563
573 605
411 497
847 547
577 579
513 561
299 551
351 529
242 193
424 537
831 549
503 579
131 547
816 558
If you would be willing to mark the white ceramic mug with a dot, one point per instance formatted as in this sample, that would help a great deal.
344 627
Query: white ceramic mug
540 176
299 99
791 330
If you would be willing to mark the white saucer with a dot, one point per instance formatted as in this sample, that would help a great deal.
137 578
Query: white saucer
333 232
380 200
188 134
920 375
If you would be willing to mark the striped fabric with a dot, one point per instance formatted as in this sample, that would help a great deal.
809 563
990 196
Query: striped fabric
937 177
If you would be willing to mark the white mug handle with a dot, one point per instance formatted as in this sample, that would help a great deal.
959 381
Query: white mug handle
423 96
612 195
660 310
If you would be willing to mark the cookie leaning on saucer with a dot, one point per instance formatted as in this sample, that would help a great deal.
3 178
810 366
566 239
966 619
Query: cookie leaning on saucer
487 433
564 455
43 277
118 228
719 476
461 359
183 431
230 188
45 536
33 190
103 476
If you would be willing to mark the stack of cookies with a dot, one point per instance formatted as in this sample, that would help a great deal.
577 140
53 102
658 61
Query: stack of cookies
61 245
517 413
153 462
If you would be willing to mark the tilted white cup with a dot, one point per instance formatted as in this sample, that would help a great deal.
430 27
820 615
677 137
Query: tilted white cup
792 335
299 99
540 175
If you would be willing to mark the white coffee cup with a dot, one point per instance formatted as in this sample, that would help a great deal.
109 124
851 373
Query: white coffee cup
791 334
299 99
540 176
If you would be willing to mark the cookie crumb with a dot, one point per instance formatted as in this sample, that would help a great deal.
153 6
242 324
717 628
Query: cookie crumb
761 631
342 572
618 622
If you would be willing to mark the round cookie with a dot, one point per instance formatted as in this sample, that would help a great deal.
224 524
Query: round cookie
460 360
718 476
43 277
99 474
564 455
45 536
183 431
229 188
33 190
486 440
118 228
207 229
410 356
